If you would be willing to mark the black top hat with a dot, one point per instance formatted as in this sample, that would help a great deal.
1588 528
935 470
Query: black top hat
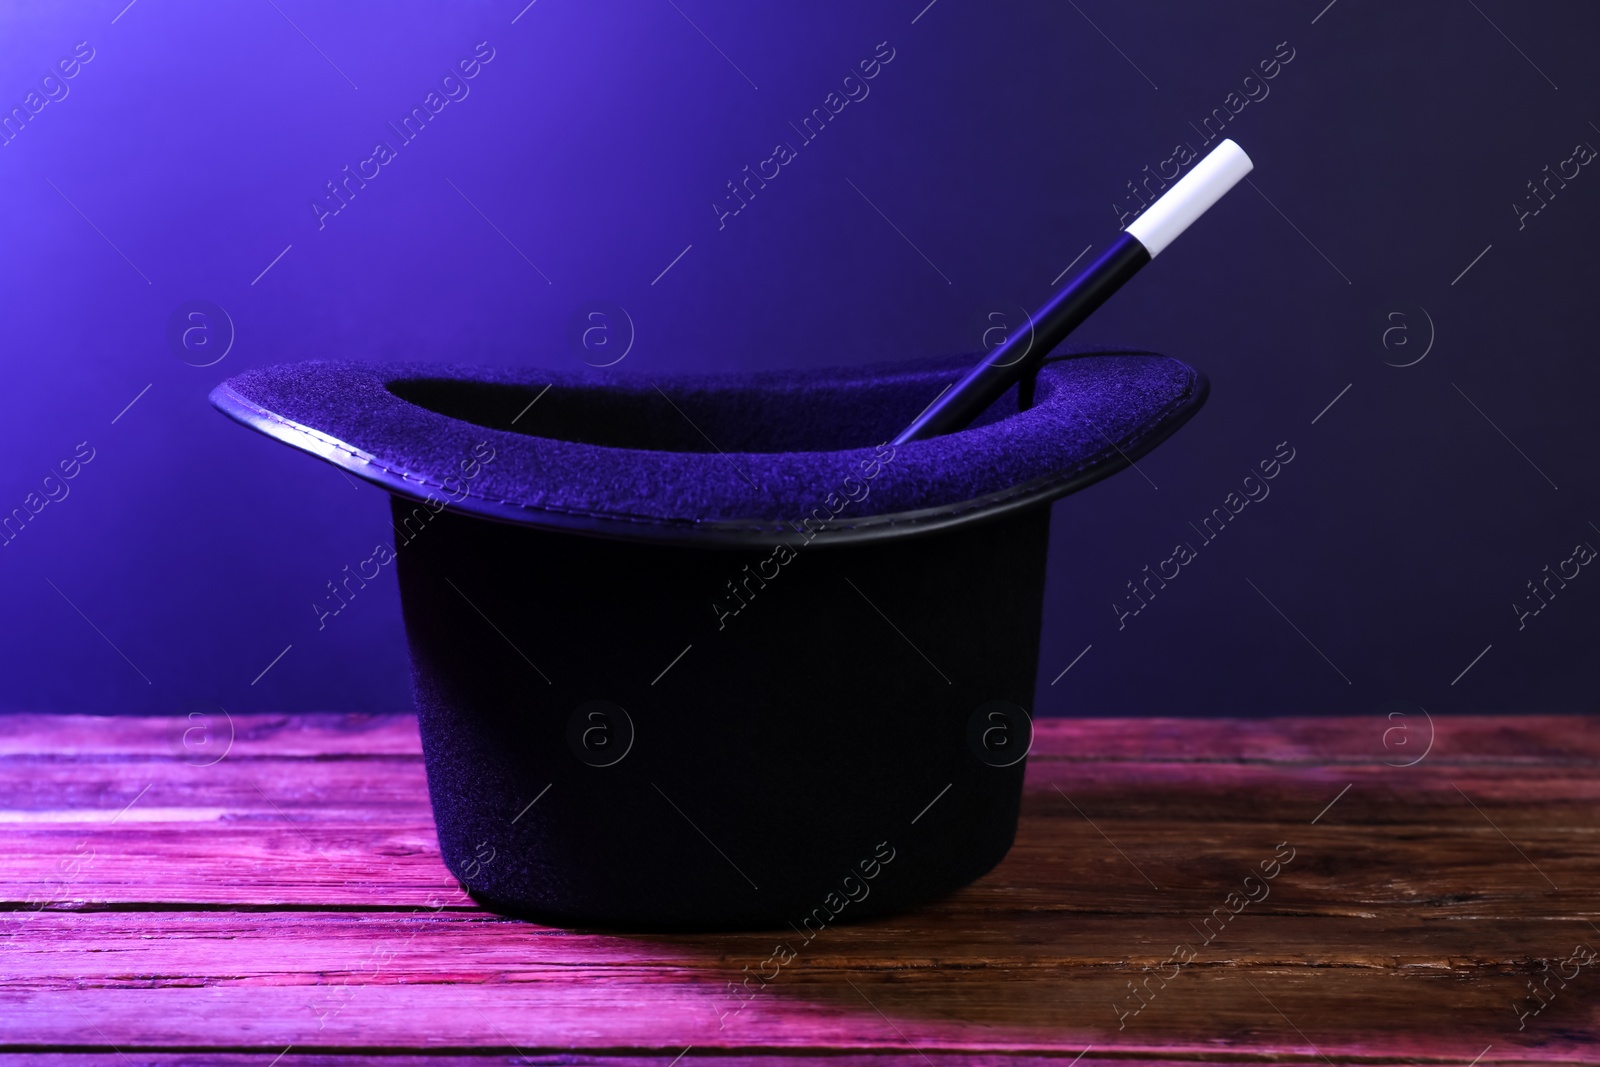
720 651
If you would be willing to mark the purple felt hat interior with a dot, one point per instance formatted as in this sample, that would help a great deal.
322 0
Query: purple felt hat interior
704 459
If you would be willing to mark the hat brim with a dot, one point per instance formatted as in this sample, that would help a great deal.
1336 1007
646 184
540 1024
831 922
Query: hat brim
736 459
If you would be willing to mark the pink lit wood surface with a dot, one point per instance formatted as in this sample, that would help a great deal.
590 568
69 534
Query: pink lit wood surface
289 901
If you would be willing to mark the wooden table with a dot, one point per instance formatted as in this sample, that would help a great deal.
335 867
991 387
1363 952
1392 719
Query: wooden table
175 896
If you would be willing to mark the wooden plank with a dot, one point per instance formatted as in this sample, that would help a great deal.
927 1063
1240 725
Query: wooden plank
342 792
95 792
150 948
1500 739
1375 738
98 792
65 954
1056 864
1215 1011
688 1057
237 736
510 1057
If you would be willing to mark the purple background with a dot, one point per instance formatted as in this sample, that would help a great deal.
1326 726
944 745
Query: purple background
188 552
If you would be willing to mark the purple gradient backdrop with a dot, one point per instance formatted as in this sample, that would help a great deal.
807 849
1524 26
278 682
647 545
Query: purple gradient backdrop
188 551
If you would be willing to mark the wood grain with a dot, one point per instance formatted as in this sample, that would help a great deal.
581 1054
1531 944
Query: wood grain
291 895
